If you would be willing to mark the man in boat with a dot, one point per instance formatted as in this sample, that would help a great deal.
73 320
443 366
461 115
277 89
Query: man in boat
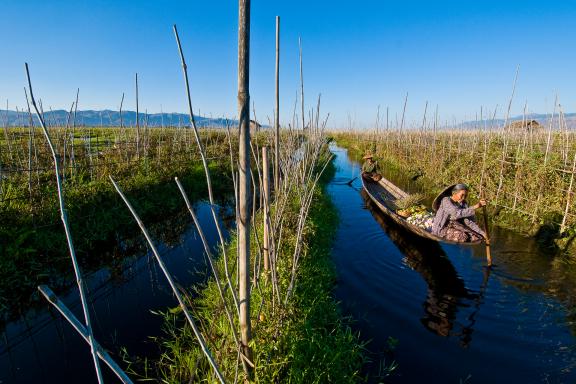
455 220
370 169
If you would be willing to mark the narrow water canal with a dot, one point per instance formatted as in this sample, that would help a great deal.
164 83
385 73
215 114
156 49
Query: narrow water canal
454 322
42 347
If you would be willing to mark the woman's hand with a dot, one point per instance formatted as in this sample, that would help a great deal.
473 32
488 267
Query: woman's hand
481 203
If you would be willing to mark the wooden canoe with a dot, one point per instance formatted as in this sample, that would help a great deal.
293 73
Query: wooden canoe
384 194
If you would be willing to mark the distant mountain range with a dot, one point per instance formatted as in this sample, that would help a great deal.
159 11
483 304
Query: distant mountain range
569 118
110 118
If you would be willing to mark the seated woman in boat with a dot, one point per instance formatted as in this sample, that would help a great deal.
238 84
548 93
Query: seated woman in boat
455 220
370 169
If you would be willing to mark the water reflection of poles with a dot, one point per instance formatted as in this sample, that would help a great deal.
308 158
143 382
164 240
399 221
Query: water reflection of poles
35 347
10 357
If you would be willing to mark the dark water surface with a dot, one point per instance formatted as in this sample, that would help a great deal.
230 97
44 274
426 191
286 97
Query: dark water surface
454 321
42 347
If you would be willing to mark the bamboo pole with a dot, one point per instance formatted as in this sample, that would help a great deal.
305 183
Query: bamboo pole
6 135
568 195
210 259
301 84
277 112
487 240
206 169
30 145
64 218
266 194
81 329
172 284
137 122
377 122
306 200
121 121
504 129
72 154
244 174
540 190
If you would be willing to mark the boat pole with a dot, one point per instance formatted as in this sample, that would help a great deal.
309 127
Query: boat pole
487 231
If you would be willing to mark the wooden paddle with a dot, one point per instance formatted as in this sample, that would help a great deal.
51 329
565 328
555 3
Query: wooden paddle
487 231
350 182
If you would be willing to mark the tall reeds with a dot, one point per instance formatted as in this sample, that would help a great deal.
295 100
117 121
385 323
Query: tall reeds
525 170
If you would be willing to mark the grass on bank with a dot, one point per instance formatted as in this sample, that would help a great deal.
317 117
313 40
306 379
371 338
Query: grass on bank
306 341
528 188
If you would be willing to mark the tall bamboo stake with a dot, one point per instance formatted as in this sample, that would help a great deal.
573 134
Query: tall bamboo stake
301 84
505 128
137 122
244 173
6 135
266 195
64 218
277 112
72 156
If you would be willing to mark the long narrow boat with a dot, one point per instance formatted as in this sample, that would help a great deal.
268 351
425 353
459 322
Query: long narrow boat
385 194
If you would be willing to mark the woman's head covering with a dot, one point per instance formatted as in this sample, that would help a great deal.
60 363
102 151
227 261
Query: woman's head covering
447 192
459 187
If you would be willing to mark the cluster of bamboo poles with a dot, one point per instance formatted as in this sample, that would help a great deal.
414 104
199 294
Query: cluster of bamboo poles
299 160
528 170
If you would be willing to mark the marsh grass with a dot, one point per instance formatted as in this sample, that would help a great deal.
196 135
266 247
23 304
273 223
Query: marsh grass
32 244
305 341
525 175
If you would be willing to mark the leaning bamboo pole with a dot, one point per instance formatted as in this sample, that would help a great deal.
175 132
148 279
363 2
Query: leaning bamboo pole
244 174
206 169
210 259
64 218
81 329
172 284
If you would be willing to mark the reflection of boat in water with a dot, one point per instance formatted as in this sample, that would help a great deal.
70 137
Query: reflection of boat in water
446 290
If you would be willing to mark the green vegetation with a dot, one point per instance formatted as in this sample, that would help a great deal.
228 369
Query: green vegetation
32 243
300 339
526 175
305 340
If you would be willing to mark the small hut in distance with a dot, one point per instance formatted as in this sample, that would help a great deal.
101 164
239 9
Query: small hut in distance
523 125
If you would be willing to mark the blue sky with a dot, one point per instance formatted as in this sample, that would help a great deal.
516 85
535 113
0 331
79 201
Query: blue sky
458 55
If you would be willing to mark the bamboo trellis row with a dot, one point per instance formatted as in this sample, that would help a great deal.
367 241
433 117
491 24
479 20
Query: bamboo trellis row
528 173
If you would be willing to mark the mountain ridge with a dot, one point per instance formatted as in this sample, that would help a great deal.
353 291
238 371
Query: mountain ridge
110 118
